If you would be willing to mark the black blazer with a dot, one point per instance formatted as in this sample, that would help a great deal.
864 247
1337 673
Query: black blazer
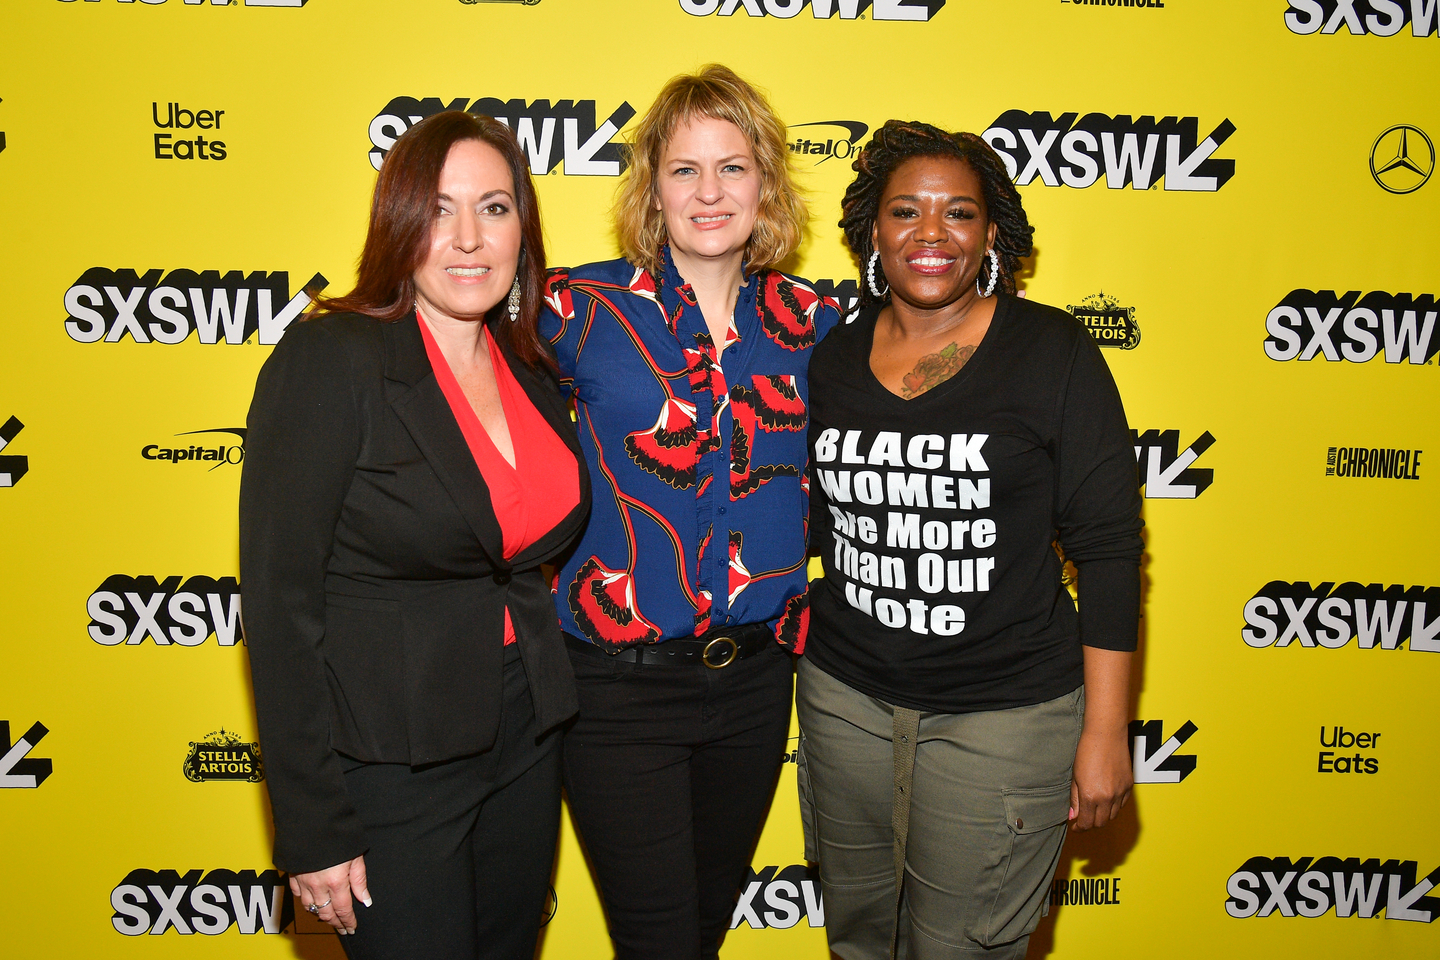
373 581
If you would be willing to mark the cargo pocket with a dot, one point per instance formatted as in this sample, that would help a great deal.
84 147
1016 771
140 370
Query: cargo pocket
807 803
1036 819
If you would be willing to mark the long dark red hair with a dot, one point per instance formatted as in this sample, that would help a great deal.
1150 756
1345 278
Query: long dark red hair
401 215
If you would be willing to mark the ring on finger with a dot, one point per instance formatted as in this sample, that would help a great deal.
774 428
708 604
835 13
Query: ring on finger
317 907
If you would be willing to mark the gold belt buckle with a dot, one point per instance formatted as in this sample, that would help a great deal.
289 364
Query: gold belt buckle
729 658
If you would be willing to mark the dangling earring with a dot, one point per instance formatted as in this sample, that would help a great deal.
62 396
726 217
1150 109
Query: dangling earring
515 300
870 276
994 272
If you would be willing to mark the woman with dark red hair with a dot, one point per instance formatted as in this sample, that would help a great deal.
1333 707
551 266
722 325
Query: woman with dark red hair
410 465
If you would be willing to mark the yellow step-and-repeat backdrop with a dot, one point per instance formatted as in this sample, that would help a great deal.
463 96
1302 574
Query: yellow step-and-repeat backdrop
1234 195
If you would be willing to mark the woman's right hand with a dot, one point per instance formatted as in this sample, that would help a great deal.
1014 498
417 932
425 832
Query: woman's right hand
332 887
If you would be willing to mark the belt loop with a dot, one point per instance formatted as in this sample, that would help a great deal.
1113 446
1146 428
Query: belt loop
906 730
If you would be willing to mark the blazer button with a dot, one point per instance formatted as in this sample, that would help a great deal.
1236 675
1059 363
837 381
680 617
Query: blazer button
501 578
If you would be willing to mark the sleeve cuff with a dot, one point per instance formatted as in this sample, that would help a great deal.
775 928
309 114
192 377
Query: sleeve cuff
1109 592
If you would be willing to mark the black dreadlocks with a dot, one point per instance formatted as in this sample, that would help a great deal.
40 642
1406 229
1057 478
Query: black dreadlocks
896 142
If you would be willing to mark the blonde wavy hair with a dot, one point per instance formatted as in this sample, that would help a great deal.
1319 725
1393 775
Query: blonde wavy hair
717 93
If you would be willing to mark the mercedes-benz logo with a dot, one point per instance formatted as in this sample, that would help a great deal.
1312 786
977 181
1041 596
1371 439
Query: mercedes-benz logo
1402 159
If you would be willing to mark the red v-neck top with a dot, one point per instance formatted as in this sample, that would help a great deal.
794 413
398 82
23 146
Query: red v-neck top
533 496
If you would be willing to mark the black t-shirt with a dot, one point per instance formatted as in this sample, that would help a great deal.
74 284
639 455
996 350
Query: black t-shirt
935 518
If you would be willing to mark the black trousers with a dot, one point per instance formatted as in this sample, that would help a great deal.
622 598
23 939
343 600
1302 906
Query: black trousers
461 851
669 771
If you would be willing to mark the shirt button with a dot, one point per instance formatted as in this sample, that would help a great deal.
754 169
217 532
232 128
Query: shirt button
501 578
721 511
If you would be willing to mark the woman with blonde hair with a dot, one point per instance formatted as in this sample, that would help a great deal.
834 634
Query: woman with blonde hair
687 595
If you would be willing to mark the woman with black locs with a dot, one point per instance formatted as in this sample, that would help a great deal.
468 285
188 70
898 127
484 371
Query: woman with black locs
956 711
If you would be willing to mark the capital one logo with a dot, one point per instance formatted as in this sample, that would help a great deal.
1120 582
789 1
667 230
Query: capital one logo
1330 617
1076 151
1383 18
1309 887
916 10
549 133
110 305
130 610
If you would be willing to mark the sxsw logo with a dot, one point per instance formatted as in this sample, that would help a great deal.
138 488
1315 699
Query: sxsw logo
18 770
1153 756
1310 887
1383 18
1310 325
155 901
12 467
1328 616
920 10
1165 470
1076 151
845 293
780 899
131 610
110 305
549 133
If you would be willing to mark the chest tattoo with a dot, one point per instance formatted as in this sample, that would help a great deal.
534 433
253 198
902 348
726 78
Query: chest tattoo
934 369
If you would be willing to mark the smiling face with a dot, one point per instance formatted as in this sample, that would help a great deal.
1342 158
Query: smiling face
932 231
708 190
474 238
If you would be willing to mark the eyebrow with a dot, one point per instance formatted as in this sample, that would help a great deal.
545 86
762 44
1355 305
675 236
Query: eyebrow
733 156
914 199
493 193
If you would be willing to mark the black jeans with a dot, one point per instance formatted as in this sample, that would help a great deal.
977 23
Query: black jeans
461 851
669 771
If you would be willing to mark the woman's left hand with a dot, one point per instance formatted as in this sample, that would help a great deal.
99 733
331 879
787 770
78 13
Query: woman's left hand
1102 779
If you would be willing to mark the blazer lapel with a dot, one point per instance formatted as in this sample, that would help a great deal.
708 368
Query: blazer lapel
546 397
415 395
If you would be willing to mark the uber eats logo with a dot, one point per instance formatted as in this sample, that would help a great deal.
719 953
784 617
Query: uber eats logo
1383 18
780 898
549 133
131 610
819 9
1281 614
1076 151
1313 325
157 901
1311 887
110 305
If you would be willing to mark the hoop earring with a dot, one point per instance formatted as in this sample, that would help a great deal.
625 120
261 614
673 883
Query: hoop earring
515 300
870 277
994 272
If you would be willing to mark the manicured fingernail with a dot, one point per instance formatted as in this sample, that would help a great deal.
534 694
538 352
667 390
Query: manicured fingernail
367 902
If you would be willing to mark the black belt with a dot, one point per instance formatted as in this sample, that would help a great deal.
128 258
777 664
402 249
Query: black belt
717 648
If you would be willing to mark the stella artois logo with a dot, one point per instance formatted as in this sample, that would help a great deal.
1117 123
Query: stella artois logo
1109 323
222 755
